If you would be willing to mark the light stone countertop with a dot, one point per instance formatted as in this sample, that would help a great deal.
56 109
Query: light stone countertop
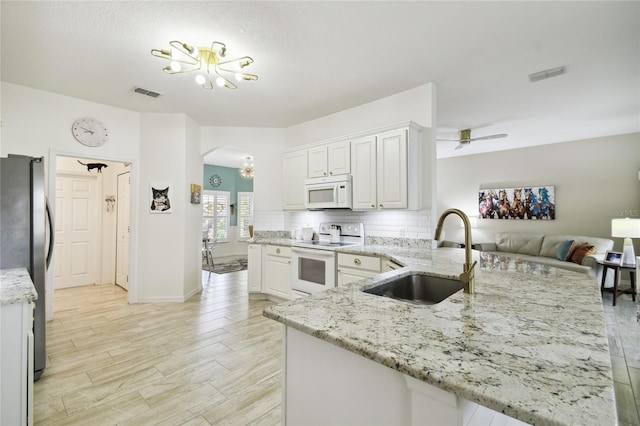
16 286
530 343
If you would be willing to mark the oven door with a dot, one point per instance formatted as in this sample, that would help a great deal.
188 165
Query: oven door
313 270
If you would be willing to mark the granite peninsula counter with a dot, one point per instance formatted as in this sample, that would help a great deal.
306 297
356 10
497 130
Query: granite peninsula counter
16 286
530 343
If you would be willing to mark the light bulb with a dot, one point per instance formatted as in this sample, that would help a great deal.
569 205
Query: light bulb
239 76
200 79
220 81
176 67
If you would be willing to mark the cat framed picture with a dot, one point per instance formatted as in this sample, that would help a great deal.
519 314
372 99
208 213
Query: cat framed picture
196 193
160 197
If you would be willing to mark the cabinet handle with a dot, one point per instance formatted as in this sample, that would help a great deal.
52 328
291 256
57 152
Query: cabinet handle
381 206
331 173
357 261
324 173
278 251
373 205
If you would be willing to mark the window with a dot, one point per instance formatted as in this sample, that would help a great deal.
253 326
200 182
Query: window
245 214
215 212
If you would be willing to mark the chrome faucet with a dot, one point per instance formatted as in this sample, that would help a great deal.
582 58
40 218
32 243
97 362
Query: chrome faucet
467 276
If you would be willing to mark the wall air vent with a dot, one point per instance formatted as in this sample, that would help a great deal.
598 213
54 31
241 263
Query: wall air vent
147 92
542 75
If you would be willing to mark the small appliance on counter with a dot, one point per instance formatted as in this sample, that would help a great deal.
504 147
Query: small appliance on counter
334 234
307 233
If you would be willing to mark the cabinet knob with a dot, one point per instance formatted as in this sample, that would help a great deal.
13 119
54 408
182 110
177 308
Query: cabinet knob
278 251
357 261
381 206
289 262
324 173
373 205
331 173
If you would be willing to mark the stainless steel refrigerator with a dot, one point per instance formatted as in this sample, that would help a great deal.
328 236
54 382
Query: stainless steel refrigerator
26 234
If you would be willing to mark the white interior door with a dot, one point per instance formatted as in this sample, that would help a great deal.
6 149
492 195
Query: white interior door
76 229
123 229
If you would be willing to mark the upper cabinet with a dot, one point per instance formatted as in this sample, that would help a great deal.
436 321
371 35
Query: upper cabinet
330 159
392 170
391 167
294 174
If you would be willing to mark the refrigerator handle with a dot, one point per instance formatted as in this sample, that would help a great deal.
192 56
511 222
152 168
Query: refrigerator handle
51 232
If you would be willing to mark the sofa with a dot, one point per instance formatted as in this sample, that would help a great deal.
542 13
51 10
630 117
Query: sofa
571 252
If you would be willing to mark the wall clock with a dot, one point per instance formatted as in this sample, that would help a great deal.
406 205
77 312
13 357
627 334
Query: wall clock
215 180
89 131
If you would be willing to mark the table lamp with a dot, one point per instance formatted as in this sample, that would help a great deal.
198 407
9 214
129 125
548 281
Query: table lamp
626 228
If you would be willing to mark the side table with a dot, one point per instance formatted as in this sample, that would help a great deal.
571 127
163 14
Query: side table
617 269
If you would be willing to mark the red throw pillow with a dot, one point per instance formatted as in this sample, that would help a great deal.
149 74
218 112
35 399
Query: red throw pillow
581 251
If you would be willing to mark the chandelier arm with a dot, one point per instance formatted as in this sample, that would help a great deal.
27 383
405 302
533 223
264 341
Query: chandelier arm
247 59
227 83
189 51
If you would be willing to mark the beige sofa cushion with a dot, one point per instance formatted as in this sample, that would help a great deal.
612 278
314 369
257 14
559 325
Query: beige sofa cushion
550 243
520 243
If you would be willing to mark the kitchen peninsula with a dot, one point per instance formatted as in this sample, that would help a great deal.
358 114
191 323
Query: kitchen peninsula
530 343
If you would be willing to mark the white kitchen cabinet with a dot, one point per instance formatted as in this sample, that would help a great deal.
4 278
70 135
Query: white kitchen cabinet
294 175
16 363
330 159
352 267
380 171
254 273
393 169
276 271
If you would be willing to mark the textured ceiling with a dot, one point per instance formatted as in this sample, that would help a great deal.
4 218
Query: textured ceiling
318 58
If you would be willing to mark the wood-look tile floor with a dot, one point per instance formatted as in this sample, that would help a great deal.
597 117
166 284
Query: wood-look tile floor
211 360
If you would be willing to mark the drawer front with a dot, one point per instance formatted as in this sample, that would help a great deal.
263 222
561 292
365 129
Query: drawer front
355 261
278 251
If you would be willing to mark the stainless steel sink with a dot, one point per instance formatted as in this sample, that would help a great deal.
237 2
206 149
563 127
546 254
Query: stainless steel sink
418 288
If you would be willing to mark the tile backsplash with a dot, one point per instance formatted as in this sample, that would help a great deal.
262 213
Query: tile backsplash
402 224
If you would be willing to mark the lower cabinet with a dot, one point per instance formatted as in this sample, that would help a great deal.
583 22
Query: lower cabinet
356 267
254 273
276 271
16 364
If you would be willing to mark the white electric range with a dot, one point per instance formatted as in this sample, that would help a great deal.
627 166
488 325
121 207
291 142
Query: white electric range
314 262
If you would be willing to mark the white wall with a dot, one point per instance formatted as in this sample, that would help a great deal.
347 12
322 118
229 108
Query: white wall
417 105
595 180
161 264
38 123
192 234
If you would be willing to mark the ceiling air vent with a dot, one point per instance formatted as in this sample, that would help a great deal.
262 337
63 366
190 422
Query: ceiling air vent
553 72
147 92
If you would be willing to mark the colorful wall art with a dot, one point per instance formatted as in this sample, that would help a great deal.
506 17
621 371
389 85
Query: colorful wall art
532 203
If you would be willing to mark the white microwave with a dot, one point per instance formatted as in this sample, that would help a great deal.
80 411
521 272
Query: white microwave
332 192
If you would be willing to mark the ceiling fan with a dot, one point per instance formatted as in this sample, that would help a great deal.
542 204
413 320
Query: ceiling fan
465 138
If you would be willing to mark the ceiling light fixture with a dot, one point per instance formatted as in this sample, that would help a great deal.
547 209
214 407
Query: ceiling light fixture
209 63
246 171
541 75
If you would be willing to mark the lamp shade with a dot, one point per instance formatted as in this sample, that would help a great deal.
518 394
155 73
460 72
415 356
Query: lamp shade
625 228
